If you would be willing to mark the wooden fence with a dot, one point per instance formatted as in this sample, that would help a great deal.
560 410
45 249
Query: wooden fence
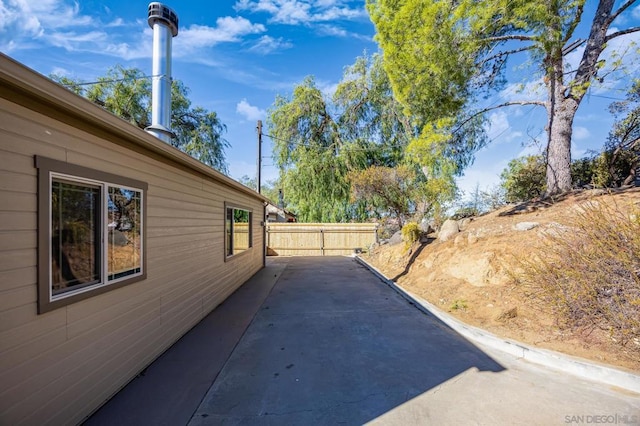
319 239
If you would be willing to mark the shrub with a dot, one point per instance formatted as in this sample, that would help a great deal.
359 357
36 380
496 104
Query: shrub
458 304
465 212
589 274
524 178
410 233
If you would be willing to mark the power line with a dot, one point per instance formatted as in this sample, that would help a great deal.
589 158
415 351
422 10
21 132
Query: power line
351 148
109 81
607 97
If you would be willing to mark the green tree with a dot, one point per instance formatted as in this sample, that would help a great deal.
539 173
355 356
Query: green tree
440 53
493 198
307 149
126 92
318 141
369 116
584 171
623 144
524 178
386 190
269 188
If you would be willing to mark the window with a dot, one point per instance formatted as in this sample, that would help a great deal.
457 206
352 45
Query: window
90 232
238 236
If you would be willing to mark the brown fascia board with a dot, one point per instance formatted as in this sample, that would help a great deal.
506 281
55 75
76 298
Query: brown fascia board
22 85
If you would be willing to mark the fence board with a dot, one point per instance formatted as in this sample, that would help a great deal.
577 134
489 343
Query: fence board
319 239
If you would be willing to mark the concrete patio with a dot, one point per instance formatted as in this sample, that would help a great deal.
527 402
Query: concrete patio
321 340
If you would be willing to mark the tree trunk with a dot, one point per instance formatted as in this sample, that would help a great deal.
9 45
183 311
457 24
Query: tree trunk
632 174
559 148
565 99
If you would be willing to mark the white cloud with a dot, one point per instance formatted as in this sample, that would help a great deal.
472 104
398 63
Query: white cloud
528 91
335 31
227 29
33 18
327 88
60 71
482 176
250 112
142 49
61 23
267 44
624 49
73 41
118 22
58 23
340 13
53 14
191 39
291 12
580 133
302 12
498 127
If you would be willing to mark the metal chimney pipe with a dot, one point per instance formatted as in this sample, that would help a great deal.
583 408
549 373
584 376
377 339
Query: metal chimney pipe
164 22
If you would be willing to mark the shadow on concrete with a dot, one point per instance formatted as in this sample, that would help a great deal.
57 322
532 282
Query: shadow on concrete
169 391
308 340
333 344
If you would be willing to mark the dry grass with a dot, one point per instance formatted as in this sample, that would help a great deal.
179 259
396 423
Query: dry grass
477 267
588 275
127 257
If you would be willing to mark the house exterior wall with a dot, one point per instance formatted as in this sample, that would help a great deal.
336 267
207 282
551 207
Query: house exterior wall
59 366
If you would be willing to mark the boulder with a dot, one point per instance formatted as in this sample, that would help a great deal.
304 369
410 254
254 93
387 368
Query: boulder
448 229
525 226
395 238
463 223
427 226
472 238
118 238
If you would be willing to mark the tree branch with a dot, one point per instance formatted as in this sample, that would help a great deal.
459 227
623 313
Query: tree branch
509 37
622 32
502 105
595 45
574 24
621 9
505 53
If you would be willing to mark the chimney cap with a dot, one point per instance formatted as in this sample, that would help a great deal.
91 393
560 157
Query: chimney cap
164 14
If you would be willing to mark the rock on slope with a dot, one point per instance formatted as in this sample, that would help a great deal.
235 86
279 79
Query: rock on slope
467 273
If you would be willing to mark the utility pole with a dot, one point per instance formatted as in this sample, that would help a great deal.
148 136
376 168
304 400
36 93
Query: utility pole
258 175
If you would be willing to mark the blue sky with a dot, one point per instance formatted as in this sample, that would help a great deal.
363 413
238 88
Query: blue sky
236 56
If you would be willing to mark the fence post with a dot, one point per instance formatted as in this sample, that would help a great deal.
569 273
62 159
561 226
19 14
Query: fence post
321 241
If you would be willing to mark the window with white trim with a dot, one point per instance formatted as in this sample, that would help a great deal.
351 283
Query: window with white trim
91 232
238 234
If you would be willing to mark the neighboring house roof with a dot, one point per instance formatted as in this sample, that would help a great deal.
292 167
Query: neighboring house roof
32 90
275 209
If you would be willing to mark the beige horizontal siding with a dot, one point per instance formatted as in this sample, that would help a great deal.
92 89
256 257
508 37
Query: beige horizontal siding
56 368
19 296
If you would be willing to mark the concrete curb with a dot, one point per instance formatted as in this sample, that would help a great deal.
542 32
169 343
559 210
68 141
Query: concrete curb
576 366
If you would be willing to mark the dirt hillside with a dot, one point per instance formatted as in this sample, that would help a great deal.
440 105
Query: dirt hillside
467 276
